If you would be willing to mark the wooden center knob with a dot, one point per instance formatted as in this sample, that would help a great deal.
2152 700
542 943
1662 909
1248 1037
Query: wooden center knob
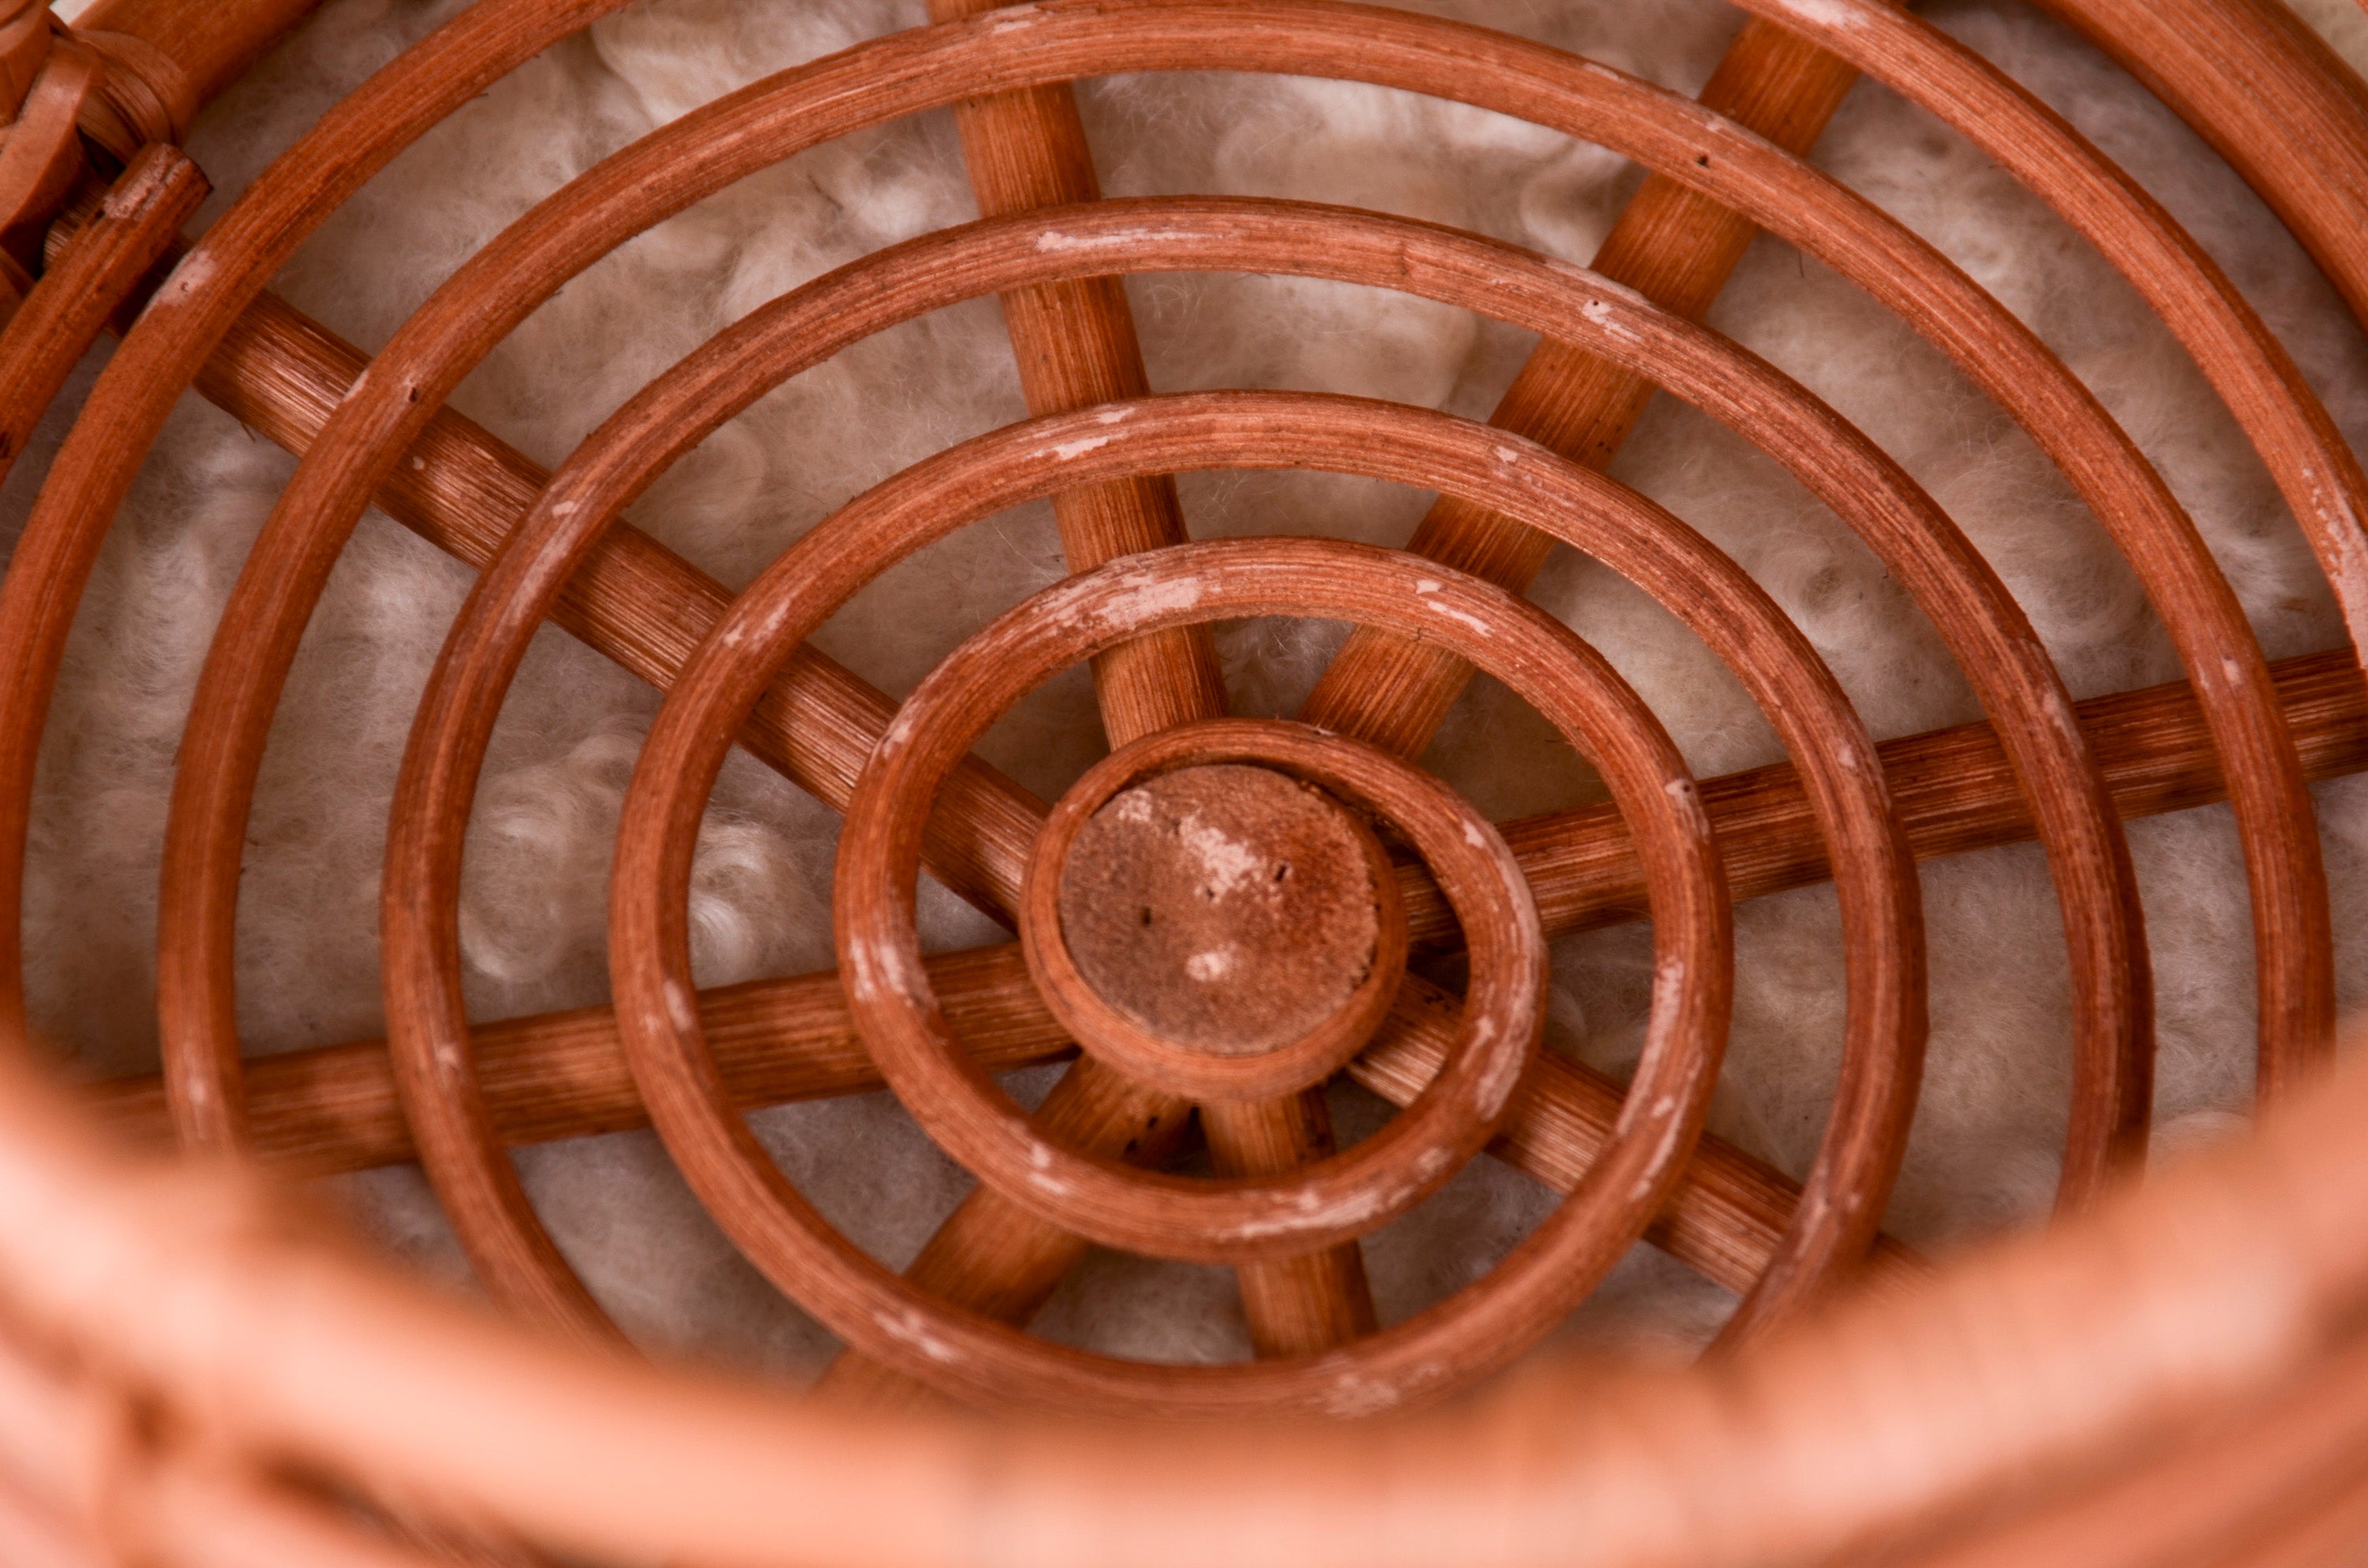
1226 907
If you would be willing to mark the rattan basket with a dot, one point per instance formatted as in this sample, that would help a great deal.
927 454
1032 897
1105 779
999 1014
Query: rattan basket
193 1369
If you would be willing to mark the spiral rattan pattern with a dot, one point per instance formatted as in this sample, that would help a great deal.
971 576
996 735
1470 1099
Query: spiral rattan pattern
220 1425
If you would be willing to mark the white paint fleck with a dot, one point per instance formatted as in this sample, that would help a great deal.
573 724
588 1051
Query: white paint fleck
1310 1209
1055 240
196 270
1062 451
1669 986
1148 597
1841 15
1478 626
681 1007
881 967
1354 1395
1211 966
1494 1088
1610 318
1225 862
899 733
909 1327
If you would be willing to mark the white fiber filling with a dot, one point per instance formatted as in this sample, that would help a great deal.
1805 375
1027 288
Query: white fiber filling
1987 1144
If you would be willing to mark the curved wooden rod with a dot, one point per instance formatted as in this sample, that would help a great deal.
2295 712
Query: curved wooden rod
2027 1369
2270 97
1710 596
1239 1217
1882 1050
883 1315
2254 375
1918 540
96 271
281 375
157 359
1672 244
1074 343
332 1109
2101 918
634 601
703 150
1831 742
2115 1343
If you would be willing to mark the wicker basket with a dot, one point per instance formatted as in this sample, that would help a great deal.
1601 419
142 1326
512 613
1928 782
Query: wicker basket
191 1371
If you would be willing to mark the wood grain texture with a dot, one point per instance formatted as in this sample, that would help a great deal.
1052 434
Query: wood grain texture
1670 243
1260 236
2098 947
2041 1416
2034 1363
975 1358
105 260
280 374
1178 967
1075 344
561 1074
1261 1216
2270 97
192 49
41 159
1676 138
163 352
2298 440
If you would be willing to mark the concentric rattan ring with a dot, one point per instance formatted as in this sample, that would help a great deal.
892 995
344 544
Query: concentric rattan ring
1243 1219
2008 362
2244 75
879 853
2123 1096
620 460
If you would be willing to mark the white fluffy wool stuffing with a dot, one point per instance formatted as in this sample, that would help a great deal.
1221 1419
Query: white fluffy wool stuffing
1985 1141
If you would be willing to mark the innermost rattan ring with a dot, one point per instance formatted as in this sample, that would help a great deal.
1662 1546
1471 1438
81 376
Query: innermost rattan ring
1224 907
